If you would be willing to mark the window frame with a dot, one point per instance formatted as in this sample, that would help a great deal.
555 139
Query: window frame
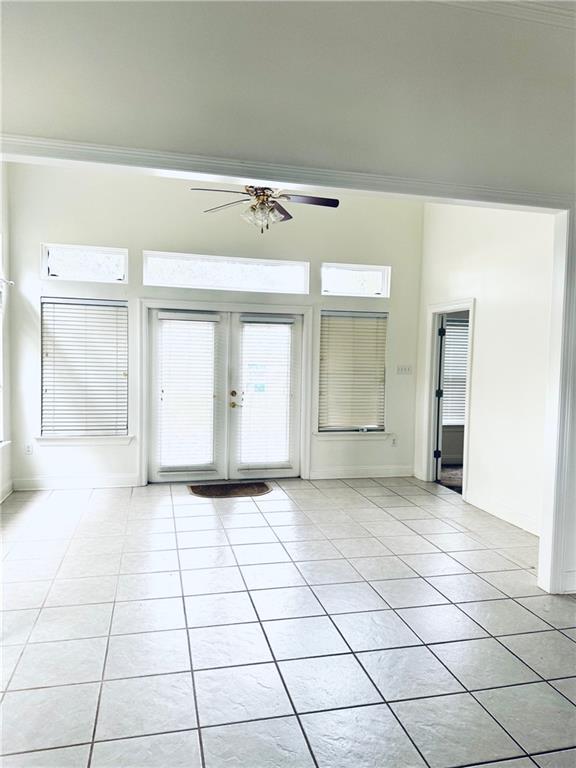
94 249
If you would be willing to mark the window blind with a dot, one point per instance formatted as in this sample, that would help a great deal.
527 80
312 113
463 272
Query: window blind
84 367
186 367
352 371
266 377
455 371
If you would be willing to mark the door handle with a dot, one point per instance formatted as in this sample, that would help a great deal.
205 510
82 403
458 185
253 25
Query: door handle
236 405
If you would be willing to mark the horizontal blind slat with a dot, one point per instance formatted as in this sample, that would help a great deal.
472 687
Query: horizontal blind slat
455 371
84 368
352 372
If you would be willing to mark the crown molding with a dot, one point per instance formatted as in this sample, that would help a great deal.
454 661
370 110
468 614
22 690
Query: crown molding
27 149
553 14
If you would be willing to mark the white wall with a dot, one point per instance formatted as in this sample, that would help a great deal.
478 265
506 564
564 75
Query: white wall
434 91
99 207
5 420
503 260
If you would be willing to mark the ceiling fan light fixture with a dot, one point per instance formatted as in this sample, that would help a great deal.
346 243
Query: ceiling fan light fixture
262 214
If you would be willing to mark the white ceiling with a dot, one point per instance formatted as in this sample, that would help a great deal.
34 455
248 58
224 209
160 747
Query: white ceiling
408 89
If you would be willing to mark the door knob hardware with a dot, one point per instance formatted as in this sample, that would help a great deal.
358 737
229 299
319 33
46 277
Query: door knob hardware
236 405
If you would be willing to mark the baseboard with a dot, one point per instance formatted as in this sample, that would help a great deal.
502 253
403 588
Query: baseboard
51 482
568 581
6 490
365 471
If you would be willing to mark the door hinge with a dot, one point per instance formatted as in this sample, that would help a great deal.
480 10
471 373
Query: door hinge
439 393
441 331
437 454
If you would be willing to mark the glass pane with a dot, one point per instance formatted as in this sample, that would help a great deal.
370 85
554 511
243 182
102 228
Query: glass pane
355 280
187 354
266 386
225 274
86 263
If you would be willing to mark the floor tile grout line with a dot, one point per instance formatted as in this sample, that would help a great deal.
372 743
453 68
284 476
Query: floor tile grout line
29 635
190 657
101 688
389 708
315 615
380 649
278 670
468 692
552 628
497 639
531 755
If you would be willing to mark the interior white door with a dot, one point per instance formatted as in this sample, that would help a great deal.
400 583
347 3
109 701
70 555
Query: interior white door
264 395
225 395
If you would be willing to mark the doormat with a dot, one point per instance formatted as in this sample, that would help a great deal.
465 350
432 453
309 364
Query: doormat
230 490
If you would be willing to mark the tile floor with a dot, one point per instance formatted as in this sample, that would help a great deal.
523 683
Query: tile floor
379 623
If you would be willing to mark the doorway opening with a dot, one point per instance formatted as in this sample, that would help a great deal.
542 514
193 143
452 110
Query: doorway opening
225 395
451 395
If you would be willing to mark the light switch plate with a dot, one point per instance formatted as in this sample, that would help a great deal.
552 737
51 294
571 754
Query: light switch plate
404 370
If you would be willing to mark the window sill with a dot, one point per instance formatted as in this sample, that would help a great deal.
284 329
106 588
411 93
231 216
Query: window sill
353 436
64 440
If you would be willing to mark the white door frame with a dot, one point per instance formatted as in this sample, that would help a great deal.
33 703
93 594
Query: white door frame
433 320
558 528
146 410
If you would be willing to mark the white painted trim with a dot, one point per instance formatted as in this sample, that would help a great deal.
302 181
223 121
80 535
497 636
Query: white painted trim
27 149
53 482
355 437
5 491
555 543
65 440
377 470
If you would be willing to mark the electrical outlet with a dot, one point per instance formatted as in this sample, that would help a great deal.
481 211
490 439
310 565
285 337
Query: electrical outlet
394 441
404 370
28 449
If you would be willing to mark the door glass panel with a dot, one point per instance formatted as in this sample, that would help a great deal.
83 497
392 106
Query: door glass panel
187 381
265 375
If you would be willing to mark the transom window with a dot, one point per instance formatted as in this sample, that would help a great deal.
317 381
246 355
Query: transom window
365 280
223 273
85 263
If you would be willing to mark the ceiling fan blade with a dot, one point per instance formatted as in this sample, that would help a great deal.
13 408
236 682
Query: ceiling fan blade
226 205
285 215
229 191
329 202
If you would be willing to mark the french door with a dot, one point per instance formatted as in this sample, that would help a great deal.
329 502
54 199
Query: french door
225 395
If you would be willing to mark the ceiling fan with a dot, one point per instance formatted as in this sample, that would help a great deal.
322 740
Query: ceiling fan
265 207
